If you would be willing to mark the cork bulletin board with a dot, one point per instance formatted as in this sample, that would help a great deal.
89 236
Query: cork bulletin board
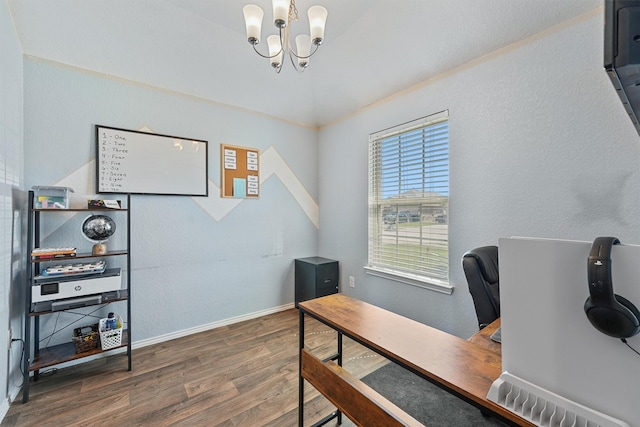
240 168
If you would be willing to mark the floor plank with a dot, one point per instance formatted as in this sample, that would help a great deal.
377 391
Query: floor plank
245 374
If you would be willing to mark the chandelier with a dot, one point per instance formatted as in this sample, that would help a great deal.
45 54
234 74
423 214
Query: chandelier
285 11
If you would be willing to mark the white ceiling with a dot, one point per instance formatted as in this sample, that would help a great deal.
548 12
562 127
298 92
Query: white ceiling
372 48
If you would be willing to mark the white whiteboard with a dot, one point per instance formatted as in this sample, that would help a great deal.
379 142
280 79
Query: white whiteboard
134 162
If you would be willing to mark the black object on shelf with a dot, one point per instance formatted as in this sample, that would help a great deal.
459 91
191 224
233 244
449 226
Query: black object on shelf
315 277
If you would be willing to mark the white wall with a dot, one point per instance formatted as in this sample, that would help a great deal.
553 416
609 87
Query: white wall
540 146
11 202
193 265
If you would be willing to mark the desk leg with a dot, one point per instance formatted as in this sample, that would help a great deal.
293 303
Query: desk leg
336 414
300 379
340 364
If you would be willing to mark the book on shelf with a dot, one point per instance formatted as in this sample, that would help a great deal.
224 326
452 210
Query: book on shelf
48 253
54 256
104 204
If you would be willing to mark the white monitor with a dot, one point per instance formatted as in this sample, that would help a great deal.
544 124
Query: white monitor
547 339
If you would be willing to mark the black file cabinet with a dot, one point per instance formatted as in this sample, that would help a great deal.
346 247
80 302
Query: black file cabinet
315 277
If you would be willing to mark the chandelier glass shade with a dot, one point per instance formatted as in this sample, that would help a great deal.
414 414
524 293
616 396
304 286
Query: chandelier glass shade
279 45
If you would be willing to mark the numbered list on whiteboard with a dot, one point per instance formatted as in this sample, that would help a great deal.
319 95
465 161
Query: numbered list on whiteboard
113 153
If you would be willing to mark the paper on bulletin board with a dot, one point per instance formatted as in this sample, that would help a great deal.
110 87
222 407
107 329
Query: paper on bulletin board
239 188
252 161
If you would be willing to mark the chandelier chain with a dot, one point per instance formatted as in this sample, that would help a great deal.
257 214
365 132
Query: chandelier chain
293 11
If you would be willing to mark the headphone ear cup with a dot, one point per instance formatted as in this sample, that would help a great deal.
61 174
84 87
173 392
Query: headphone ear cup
609 313
634 312
620 320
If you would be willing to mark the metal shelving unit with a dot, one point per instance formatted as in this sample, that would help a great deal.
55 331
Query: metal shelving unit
36 358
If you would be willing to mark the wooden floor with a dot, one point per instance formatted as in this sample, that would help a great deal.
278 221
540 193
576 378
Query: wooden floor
245 374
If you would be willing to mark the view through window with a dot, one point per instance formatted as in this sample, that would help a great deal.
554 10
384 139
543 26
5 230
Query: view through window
409 199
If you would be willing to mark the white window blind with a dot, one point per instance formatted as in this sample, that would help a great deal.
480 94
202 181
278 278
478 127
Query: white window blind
409 200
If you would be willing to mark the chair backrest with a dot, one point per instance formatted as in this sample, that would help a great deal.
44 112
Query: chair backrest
480 266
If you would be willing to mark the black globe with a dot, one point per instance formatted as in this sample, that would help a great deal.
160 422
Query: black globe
98 228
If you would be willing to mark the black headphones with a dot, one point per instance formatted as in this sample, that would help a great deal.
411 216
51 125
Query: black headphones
609 313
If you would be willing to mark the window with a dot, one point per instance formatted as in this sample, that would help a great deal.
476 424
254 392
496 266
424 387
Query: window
409 203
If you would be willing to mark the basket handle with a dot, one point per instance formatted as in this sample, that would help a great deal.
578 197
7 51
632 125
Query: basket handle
86 330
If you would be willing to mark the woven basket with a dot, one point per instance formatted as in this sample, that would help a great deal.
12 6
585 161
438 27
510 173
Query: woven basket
86 338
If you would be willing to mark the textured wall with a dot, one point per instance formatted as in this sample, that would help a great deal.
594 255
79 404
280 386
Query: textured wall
11 202
195 261
540 146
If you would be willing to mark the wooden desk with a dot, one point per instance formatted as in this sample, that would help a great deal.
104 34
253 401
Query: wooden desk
483 337
459 366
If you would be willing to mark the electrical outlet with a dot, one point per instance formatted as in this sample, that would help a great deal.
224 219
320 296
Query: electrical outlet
352 281
9 338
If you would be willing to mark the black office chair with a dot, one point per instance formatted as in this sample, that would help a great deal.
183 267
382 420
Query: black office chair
480 266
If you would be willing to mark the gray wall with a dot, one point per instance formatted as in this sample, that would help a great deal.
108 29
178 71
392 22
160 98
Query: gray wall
11 202
540 146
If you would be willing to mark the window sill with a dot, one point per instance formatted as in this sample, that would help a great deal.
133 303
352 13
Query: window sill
410 279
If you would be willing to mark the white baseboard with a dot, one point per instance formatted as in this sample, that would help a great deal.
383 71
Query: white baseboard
185 332
4 408
13 393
